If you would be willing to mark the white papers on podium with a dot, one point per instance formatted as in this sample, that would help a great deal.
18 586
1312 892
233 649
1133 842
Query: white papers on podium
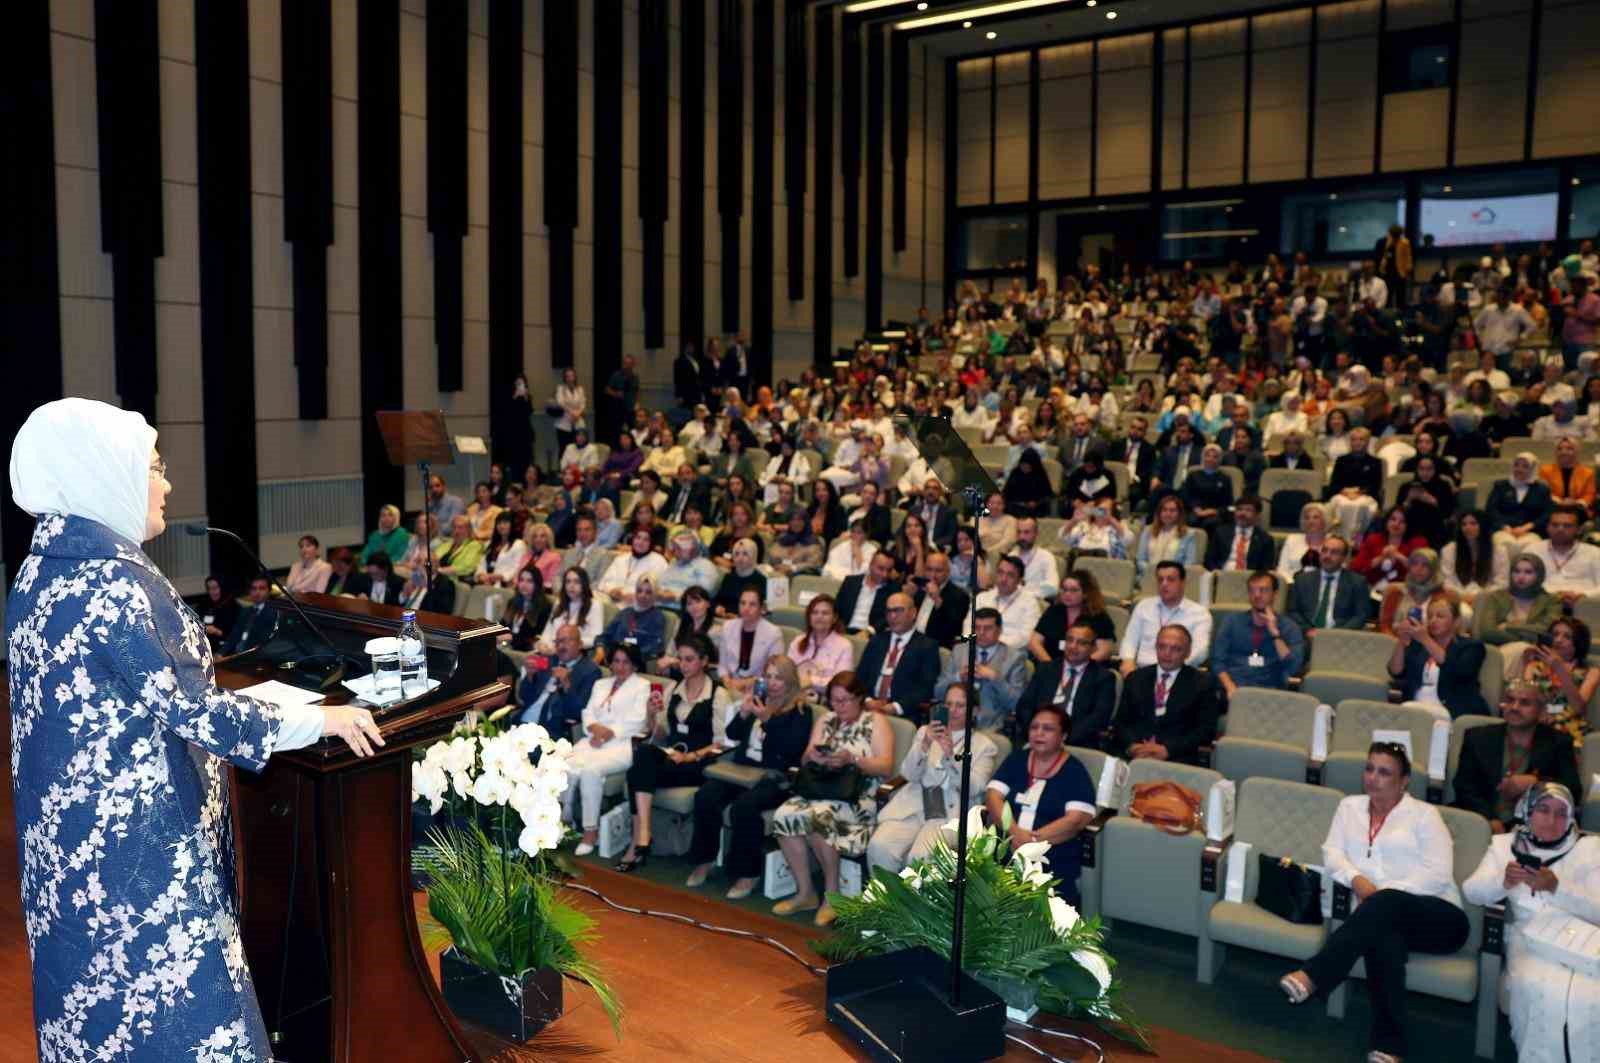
471 445
282 694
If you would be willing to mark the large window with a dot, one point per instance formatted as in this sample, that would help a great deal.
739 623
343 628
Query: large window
1514 207
1213 230
994 241
1348 222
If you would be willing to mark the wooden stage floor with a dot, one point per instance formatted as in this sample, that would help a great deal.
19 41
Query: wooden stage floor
689 994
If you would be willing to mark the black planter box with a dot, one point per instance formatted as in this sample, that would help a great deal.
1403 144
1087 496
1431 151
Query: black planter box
509 1009
897 1007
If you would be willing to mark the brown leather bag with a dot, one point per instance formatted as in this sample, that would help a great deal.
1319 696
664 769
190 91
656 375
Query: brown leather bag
1167 806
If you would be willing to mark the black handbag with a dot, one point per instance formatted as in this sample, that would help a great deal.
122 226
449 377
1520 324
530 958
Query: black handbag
818 783
1289 890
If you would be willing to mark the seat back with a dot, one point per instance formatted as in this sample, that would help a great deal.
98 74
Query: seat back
1284 818
1492 676
1094 762
1116 578
1275 480
1588 610
1119 619
1353 723
905 732
1272 716
1469 837
1120 476
1589 767
1236 475
1485 471
1002 744
1233 588
1200 780
815 585
1364 653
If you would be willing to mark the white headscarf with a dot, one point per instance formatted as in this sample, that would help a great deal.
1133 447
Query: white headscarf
82 458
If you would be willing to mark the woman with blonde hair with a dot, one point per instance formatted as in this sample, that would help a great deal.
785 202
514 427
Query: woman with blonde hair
1303 549
1167 537
387 538
542 553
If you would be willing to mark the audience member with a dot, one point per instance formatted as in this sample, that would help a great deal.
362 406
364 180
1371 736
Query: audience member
640 624
1019 608
1519 506
863 599
481 514
218 612
255 623
998 675
1084 689
1559 668
613 718
1522 609
460 554
526 612
942 606
1167 538
444 506
1383 554
383 586
1500 762
344 577
1411 597
309 573
577 605
388 537
1258 648
503 557
1056 811
1572 569
900 665
747 640
1436 668
555 686
822 650
1167 607
1169 708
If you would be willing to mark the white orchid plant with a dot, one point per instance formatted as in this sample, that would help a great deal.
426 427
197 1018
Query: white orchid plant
491 892
1018 931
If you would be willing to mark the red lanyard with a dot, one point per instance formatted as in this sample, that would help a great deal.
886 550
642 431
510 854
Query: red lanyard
1055 766
1372 831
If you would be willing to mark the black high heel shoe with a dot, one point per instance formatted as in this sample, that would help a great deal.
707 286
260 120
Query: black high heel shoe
641 856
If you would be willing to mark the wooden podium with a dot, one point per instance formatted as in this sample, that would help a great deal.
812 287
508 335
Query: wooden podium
324 859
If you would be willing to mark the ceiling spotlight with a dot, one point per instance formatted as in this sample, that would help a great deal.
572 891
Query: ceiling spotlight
1447 188
1102 206
991 35
922 7
1111 14
1091 3
1333 195
967 25
1576 182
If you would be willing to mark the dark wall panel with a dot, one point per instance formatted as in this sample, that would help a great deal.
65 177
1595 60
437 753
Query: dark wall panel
307 33
655 89
447 176
128 97
822 256
796 67
378 185
30 308
900 131
606 287
874 164
763 116
692 171
506 225
227 314
730 150
561 166
850 143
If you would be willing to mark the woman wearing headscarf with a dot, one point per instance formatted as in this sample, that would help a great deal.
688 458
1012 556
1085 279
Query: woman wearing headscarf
1027 491
1521 610
1206 491
797 550
1519 505
1423 580
1429 499
119 738
1550 875
387 538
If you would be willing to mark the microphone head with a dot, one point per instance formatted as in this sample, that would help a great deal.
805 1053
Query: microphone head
196 529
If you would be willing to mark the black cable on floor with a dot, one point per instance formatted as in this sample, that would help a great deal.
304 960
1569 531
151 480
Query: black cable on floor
812 968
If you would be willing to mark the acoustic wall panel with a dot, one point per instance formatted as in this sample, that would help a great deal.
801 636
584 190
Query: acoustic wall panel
1347 88
975 132
1569 72
1493 91
1123 114
1280 64
1415 127
1172 107
1216 114
1013 117
1064 120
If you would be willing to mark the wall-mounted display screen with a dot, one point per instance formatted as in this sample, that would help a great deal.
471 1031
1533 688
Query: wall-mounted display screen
1490 219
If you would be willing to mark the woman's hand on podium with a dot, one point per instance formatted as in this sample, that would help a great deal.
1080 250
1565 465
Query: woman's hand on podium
356 726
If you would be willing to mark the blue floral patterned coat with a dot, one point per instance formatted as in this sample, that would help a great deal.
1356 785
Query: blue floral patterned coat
118 744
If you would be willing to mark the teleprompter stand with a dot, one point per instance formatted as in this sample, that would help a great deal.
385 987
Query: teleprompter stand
912 1005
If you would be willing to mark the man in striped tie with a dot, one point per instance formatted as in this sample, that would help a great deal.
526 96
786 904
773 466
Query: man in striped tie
900 664
1169 709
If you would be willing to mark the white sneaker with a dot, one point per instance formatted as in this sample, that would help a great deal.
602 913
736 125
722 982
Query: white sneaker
583 849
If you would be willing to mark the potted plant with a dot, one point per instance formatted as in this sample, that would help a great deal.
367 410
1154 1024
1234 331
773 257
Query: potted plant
493 900
1021 940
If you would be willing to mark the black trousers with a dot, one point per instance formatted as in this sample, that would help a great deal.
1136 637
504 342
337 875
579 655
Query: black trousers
651 770
743 859
1384 931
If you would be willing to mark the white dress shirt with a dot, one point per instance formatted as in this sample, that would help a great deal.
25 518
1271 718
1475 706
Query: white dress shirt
620 707
626 571
1412 852
841 565
1151 615
1577 571
1040 573
1019 615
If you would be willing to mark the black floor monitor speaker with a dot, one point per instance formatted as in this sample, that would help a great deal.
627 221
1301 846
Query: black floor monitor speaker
897 1007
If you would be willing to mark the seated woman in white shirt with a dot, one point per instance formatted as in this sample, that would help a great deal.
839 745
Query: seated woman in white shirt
784 468
504 556
614 716
851 555
1095 527
1302 549
580 452
577 606
1335 436
1280 422
1555 1006
628 568
1472 563
309 574
1395 855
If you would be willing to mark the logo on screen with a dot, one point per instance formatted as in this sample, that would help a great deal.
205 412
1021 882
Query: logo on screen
1483 216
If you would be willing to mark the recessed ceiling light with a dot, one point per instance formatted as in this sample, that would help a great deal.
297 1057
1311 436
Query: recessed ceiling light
1111 14
1343 229
1447 188
1102 206
967 25
991 35
922 7
1576 182
940 18
1333 195
1452 223
1091 3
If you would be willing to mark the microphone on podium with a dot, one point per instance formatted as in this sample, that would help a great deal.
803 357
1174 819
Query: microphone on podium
320 678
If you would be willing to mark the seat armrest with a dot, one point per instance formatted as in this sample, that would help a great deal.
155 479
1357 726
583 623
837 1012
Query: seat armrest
1314 772
1343 900
887 789
1212 860
1204 754
1295 682
1091 835
1435 791
1494 929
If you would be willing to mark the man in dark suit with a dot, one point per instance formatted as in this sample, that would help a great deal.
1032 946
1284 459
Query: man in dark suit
872 586
942 607
875 514
1140 458
1330 595
1169 709
554 695
688 489
936 513
1485 781
1183 455
1080 444
1222 553
1086 689
900 665
383 586
256 621
686 383
735 368
1293 455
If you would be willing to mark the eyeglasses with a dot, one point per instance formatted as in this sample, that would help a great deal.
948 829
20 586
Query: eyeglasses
158 469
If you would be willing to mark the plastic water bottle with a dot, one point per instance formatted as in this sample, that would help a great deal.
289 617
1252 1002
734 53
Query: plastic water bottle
413 657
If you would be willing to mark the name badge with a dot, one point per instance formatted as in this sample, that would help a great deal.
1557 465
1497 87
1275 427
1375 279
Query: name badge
630 640
209 618
1028 800
683 728
1257 661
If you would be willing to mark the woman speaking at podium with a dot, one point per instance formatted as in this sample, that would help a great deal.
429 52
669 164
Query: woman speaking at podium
120 742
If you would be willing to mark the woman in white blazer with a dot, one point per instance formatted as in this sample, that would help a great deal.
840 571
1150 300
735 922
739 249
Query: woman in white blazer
615 714
1395 854
1550 876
